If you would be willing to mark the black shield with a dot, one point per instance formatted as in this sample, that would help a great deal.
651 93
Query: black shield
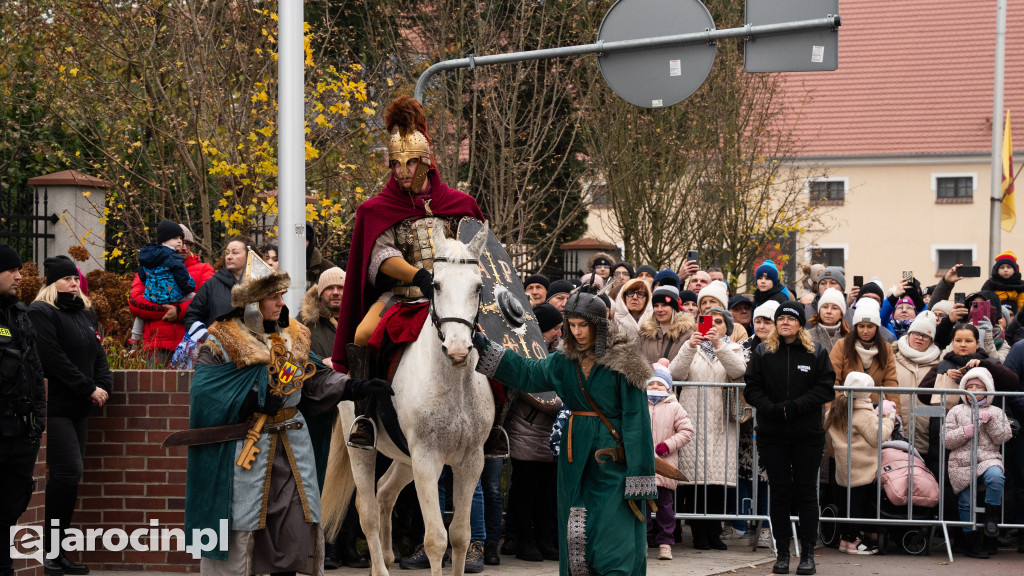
506 316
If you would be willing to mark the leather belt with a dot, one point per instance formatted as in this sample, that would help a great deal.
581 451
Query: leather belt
569 438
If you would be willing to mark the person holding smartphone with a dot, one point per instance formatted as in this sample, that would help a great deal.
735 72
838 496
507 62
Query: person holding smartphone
709 356
984 310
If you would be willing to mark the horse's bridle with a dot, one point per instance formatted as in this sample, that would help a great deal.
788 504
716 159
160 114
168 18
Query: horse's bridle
433 311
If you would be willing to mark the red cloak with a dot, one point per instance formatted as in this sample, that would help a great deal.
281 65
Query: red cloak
373 217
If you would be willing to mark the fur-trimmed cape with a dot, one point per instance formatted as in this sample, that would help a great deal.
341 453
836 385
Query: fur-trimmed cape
245 348
622 354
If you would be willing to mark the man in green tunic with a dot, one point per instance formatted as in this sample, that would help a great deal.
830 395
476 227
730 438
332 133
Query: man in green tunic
606 462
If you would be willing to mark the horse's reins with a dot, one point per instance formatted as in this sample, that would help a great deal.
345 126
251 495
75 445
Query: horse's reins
433 311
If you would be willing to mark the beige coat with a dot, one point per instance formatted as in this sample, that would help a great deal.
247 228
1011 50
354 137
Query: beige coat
654 342
711 458
910 375
863 447
884 375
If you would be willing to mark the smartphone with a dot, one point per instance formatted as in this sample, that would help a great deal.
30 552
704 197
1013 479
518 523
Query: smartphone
969 271
908 274
704 323
980 310
959 298
691 255
858 281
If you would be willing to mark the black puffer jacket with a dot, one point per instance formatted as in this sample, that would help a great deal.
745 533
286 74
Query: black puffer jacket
21 374
212 300
787 389
73 357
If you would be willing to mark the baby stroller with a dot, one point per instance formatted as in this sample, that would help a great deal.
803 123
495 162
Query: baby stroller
898 459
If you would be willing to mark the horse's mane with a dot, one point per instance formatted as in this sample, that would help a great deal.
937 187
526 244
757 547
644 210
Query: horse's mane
455 250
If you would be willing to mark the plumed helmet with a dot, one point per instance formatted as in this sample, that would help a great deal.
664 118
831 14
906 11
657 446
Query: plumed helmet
592 309
407 125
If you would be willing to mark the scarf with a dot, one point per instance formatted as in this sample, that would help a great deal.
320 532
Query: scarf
655 396
69 302
832 333
867 355
901 327
709 347
919 358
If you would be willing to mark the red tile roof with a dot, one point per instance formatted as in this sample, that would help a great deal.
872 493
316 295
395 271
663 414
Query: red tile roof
915 77
69 178
588 244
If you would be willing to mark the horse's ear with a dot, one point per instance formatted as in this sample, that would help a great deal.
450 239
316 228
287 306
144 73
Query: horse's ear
479 242
438 238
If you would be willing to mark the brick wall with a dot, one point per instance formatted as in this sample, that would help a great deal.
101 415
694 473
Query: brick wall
129 479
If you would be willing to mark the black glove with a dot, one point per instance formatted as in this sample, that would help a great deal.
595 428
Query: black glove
357 389
272 403
424 280
479 341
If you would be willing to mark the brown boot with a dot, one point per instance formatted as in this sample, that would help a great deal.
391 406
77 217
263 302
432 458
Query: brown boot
496 445
363 434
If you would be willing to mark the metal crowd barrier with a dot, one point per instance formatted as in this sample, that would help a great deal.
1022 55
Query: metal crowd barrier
726 402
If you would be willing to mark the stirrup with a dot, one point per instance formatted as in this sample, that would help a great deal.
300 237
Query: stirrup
355 427
501 439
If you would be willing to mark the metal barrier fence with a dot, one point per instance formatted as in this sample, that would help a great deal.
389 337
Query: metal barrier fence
715 408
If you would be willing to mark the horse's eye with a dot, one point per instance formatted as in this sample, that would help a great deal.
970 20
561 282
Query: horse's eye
437 286
479 288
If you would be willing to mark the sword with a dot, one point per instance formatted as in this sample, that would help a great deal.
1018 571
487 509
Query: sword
217 434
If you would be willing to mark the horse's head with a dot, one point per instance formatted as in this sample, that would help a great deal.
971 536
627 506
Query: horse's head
456 301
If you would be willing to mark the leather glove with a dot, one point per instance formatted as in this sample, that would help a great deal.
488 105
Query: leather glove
661 449
424 280
479 341
357 389
271 404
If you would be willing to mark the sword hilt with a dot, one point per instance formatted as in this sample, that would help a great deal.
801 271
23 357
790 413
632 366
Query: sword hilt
249 449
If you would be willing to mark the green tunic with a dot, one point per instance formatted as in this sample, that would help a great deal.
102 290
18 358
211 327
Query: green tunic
598 531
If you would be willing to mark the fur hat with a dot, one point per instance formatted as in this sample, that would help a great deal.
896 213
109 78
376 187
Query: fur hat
834 273
717 290
57 267
537 279
666 295
981 374
167 230
726 315
661 374
860 380
832 296
924 324
592 309
331 277
768 267
645 268
256 289
794 309
666 277
9 258
866 310
547 316
767 310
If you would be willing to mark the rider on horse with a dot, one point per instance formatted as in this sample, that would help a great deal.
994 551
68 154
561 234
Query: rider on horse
391 254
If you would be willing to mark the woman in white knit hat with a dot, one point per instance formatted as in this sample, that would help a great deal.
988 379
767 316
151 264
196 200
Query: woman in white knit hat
827 326
915 354
865 350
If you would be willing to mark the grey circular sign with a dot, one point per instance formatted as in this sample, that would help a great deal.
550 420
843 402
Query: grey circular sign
663 76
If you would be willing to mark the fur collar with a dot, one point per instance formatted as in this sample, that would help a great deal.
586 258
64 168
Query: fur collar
681 324
622 354
245 348
313 309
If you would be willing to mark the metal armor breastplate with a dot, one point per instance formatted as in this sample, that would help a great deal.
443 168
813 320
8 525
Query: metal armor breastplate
414 239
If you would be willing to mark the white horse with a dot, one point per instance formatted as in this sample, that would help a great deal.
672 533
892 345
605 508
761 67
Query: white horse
445 409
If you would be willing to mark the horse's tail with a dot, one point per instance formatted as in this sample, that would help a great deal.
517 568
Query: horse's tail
339 485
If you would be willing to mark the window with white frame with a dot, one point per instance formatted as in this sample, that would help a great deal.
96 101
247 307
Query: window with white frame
946 257
827 256
954 188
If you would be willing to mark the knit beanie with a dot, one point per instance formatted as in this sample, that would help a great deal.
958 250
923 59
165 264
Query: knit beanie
589 278
866 310
661 374
9 258
168 229
187 235
537 279
547 316
794 309
646 268
924 324
832 296
944 306
725 315
859 380
872 287
767 310
559 287
627 266
666 295
717 290
1007 257
57 267
834 273
667 277
981 374
687 296
768 267
330 277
